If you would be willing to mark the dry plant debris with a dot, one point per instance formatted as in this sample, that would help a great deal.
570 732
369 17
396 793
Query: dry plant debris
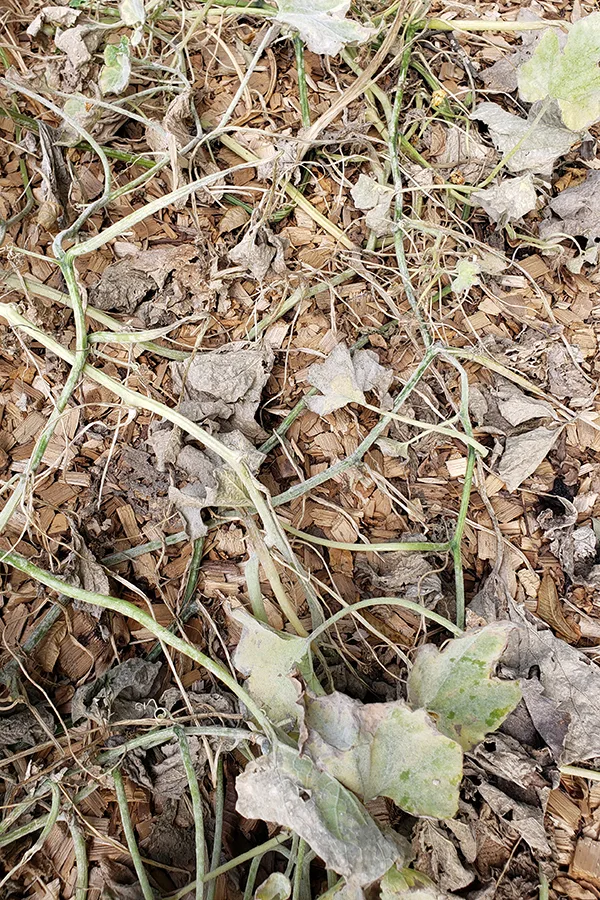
299 449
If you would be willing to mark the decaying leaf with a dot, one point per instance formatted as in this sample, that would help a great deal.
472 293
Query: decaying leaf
343 379
56 180
116 71
456 687
523 453
205 480
568 75
461 150
80 42
258 251
82 569
565 380
385 749
503 74
467 275
509 200
368 194
287 789
132 284
540 143
23 727
526 820
224 386
322 24
118 881
269 659
576 211
404 573
437 857
118 693
561 690
53 15
517 407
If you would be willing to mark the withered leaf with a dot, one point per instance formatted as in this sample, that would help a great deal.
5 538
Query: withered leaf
284 788
119 693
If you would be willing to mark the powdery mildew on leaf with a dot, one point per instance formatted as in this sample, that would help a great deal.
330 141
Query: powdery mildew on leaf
322 24
456 687
571 75
385 749
289 790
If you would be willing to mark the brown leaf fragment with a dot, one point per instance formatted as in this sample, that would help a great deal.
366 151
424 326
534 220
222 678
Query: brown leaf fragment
23 727
549 609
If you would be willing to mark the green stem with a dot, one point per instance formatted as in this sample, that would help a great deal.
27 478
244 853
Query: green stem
218 836
271 844
384 601
299 871
198 814
392 547
81 860
128 831
302 88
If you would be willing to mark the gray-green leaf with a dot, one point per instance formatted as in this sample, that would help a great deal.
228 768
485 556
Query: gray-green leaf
289 790
322 24
116 71
269 659
456 687
571 75
385 749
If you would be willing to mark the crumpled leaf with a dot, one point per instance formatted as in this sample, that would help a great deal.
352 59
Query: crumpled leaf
287 789
116 71
565 380
22 727
385 750
276 887
561 690
438 858
54 15
467 275
509 200
117 693
456 687
343 379
269 659
368 194
82 569
576 211
540 145
461 150
207 481
158 286
404 573
570 75
225 385
258 251
517 407
56 180
524 819
322 24
79 43
523 453
133 14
